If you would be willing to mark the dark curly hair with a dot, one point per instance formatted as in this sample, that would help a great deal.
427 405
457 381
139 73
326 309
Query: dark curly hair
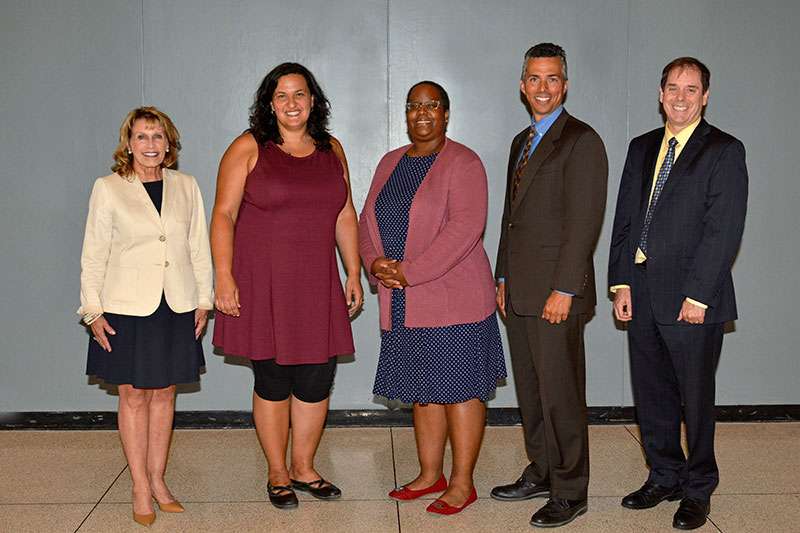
264 125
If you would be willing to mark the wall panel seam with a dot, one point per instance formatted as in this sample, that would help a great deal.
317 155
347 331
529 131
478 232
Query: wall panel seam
141 41
388 76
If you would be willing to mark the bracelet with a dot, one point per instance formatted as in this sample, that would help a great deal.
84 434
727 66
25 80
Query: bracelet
90 318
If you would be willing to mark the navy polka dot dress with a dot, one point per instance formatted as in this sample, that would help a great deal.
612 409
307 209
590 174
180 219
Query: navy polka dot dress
450 364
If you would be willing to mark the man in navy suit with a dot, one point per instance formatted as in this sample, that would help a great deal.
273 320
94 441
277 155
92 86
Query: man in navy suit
678 224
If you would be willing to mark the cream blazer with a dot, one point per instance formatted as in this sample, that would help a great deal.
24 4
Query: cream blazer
131 254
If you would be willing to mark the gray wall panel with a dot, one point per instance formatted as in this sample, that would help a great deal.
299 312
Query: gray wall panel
476 53
751 51
203 64
73 69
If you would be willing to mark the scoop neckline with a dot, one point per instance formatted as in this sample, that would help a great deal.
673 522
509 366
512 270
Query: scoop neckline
298 158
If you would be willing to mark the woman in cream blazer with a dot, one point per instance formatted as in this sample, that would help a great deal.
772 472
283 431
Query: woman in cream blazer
146 288
131 254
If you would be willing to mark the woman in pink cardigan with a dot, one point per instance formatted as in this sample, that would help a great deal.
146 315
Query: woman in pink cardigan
420 238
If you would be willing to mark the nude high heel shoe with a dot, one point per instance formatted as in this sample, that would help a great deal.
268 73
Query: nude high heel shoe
144 519
171 507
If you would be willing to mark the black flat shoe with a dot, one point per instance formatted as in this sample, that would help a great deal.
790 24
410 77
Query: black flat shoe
557 512
320 489
281 496
520 490
691 514
650 495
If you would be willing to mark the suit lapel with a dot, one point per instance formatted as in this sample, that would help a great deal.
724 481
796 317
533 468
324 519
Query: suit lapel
688 154
546 146
166 199
649 170
145 202
516 150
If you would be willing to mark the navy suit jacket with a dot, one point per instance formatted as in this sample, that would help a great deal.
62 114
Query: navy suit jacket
696 227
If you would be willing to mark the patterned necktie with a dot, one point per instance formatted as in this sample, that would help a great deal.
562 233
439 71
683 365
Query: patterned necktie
523 162
663 173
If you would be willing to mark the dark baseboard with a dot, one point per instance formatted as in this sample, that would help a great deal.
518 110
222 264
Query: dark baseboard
504 416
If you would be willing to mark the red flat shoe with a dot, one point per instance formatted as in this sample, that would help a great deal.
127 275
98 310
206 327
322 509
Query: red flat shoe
406 494
442 507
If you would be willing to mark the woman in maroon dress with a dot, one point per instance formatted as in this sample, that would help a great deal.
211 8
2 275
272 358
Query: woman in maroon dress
283 205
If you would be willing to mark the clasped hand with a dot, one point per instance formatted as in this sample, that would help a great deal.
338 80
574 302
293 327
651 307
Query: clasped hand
389 272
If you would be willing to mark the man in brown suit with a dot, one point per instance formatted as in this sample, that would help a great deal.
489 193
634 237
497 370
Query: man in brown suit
557 174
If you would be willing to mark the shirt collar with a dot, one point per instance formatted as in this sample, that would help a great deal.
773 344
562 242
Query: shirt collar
683 136
545 122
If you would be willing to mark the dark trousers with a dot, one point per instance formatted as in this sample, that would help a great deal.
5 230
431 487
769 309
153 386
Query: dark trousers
550 377
671 363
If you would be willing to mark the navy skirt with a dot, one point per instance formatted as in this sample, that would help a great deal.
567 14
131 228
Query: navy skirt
148 352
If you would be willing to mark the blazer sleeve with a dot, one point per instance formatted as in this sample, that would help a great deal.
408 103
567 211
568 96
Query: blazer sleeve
723 225
467 200
585 186
200 251
366 240
96 248
365 247
619 258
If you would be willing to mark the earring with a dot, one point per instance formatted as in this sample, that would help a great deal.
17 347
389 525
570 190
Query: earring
167 150
130 153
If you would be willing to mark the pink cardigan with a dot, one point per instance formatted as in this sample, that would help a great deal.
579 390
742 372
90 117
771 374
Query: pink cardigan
449 277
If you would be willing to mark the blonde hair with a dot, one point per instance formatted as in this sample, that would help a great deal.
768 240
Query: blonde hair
123 160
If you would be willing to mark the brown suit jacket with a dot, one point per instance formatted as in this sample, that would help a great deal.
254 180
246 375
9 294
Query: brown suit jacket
547 237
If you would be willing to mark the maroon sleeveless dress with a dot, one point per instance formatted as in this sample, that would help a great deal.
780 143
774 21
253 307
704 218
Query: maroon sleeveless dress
293 307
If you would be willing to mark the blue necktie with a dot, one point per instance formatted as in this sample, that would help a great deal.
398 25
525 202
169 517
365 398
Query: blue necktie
663 174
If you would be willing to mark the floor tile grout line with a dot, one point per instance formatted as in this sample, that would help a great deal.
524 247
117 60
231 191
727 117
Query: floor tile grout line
85 518
394 457
394 473
714 524
632 434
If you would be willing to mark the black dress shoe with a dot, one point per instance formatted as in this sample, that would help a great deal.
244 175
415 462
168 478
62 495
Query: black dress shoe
320 489
281 497
557 512
691 514
520 490
650 495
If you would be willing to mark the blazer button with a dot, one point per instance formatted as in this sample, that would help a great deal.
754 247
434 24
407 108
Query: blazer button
162 238
166 263
510 224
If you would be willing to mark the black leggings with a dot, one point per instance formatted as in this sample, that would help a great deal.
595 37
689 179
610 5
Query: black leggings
308 383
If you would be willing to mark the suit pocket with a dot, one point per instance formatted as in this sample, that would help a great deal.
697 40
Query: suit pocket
122 283
547 253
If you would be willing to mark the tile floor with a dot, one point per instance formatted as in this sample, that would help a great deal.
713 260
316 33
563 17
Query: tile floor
53 481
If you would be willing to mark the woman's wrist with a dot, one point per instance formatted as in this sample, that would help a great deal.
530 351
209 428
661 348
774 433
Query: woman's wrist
90 318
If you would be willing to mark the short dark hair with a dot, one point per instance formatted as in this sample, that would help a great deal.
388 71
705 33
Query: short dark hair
442 93
264 125
546 50
683 63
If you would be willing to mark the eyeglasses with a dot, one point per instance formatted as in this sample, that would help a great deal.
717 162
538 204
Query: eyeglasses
430 105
